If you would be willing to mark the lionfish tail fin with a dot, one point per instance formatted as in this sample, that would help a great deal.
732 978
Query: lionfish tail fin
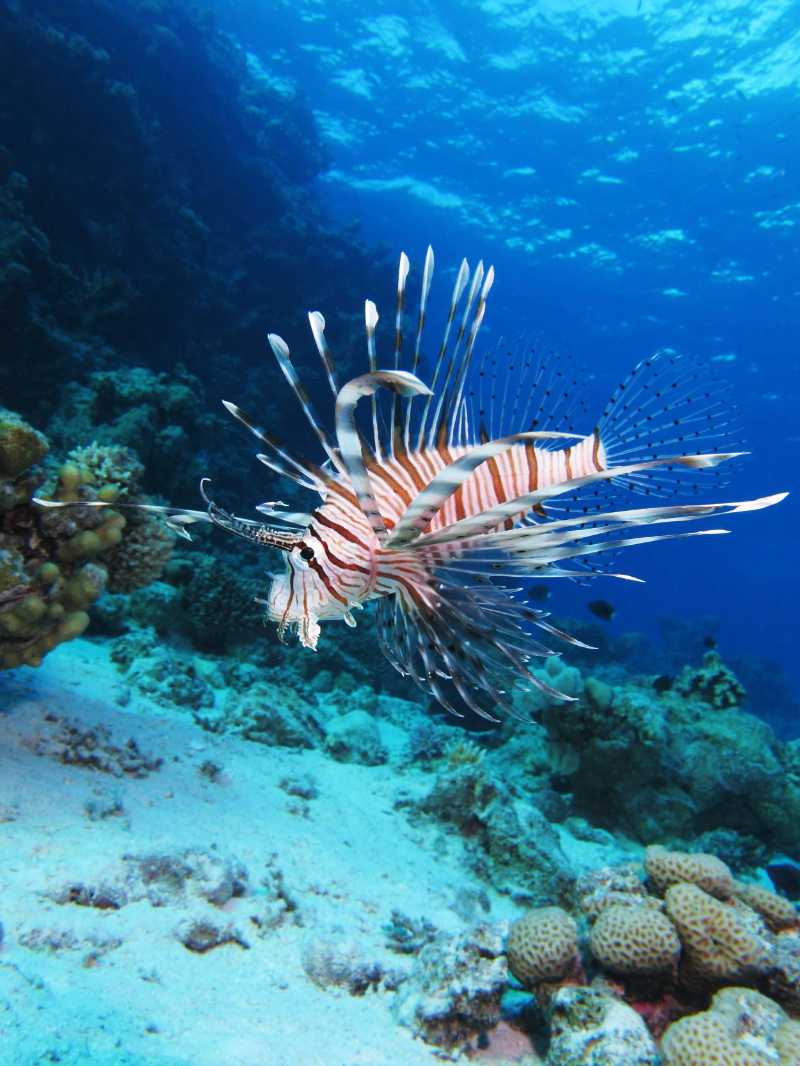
669 405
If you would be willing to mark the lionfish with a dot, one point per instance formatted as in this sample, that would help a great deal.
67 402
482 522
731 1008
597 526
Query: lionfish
443 497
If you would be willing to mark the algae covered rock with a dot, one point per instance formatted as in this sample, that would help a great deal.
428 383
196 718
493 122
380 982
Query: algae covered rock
268 714
355 737
591 1028
453 993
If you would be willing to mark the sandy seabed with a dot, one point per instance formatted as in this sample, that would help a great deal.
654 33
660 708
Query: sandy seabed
89 979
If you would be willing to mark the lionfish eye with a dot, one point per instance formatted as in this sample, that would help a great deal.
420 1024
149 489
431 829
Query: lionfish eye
306 553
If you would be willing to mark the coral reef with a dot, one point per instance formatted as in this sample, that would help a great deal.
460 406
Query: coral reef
647 765
714 683
652 961
54 564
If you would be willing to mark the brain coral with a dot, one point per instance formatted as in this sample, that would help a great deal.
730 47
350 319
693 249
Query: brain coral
742 1028
542 945
721 941
777 912
635 940
666 868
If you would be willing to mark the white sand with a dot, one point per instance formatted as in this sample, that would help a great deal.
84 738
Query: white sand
352 858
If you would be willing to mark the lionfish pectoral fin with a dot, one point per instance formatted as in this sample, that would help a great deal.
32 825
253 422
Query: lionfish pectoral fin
308 632
466 645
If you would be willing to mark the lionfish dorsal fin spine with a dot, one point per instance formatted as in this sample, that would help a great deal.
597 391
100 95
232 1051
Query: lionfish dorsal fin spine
477 322
370 323
440 413
458 289
427 278
317 323
286 465
281 352
394 412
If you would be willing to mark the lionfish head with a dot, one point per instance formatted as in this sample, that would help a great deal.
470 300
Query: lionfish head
298 598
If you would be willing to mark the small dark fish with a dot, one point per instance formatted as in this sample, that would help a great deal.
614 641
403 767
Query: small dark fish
602 609
709 642
639 7
538 593
663 683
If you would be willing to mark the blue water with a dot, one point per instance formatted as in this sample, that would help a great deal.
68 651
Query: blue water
218 848
630 169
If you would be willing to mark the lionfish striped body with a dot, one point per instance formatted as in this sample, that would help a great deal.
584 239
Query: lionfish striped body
440 501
